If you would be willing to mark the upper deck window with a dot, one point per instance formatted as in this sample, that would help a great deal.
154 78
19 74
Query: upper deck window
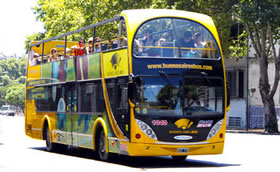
171 37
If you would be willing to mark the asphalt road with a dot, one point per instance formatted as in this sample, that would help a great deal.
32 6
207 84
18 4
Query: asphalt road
243 152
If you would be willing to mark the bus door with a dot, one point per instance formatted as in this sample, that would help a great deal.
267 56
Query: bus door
71 108
118 96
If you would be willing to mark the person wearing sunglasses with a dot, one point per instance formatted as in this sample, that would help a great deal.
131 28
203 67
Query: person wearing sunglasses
53 56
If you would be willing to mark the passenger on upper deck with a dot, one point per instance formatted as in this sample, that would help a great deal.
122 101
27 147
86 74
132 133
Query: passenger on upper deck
97 41
186 44
147 43
187 41
198 43
53 56
198 40
68 53
80 49
90 45
35 59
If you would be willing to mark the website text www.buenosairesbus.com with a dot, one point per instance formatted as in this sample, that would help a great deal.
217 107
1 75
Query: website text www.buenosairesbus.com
179 66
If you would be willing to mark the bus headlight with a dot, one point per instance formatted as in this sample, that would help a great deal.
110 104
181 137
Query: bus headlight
215 129
146 129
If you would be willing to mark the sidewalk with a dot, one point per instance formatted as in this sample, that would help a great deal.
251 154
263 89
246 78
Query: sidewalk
250 131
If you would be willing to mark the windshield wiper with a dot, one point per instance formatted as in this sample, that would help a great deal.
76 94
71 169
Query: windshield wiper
165 77
205 76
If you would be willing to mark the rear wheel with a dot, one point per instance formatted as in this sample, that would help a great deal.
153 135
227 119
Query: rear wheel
53 147
101 147
179 158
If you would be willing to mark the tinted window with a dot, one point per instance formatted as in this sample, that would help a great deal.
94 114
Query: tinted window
91 97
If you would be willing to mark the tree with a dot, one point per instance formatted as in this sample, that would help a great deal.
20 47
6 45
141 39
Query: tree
262 20
13 72
81 13
220 11
15 94
32 37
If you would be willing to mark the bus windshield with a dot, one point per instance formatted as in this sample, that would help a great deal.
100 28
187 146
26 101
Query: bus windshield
176 38
177 96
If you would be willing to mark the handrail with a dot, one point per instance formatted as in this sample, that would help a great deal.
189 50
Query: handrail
79 30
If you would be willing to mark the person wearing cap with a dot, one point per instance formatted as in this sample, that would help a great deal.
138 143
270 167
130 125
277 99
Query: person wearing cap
187 41
35 59
186 44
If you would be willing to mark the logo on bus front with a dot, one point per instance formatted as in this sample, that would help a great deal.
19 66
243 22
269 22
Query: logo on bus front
183 123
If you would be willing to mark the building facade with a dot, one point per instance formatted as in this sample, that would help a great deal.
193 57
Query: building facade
247 110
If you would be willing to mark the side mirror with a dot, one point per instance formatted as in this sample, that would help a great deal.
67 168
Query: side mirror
228 94
131 91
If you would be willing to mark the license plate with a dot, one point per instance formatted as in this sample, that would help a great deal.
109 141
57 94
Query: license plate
183 150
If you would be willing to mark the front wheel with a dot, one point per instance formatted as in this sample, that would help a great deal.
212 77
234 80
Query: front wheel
179 158
103 155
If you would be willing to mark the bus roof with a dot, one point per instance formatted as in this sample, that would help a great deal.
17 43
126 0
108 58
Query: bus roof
146 14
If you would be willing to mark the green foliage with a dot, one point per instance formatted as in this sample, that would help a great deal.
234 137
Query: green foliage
238 47
15 94
34 36
12 90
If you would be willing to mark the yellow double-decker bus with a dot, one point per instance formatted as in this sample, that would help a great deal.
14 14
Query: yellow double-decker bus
153 86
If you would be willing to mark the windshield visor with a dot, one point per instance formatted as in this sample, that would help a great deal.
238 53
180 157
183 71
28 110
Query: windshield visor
178 96
175 38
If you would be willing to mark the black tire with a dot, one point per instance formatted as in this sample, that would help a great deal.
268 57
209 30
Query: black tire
179 158
53 147
101 146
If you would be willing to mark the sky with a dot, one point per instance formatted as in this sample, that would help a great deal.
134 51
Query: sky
17 22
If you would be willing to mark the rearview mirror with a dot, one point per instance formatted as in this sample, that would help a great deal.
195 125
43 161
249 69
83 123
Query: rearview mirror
228 95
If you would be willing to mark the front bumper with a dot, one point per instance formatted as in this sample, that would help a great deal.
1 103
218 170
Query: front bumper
174 149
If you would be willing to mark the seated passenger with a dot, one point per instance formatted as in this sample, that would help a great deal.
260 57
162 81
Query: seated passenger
97 41
161 41
35 59
210 50
53 56
90 46
80 49
68 53
186 43
147 43
198 43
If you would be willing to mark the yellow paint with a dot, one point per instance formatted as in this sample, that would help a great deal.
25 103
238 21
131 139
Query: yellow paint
58 44
183 123
115 63
34 72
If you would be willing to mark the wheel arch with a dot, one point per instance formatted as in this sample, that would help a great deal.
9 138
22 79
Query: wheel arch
44 123
99 124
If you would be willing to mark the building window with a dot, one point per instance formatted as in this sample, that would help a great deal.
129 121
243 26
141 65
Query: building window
236 82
